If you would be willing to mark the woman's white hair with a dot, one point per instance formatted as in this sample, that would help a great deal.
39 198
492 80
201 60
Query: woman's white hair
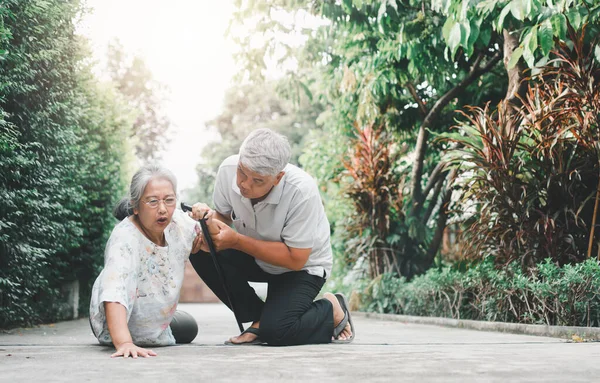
265 152
139 181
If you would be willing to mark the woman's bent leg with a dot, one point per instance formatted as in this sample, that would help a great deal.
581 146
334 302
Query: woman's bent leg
184 327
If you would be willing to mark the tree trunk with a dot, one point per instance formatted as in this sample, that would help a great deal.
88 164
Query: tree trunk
418 197
441 221
516 86
432 115
591 243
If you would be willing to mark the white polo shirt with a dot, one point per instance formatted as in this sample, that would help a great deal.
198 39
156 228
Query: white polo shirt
292 213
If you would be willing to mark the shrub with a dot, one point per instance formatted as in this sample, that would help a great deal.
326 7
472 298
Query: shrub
548 294
62 151
529 178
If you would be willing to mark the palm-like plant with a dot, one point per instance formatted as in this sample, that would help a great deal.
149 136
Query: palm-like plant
373 190
532 175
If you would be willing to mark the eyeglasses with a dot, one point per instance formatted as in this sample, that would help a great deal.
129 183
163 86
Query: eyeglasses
153 203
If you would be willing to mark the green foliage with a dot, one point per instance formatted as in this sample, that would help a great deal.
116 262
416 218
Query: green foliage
531 178
391 74
373 187
547 294
537 22
62 145
380 64
404 68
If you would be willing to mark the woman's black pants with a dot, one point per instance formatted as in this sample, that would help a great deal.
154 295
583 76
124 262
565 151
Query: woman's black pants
288 316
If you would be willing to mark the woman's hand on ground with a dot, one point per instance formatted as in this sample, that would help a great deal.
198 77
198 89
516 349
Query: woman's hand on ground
128 349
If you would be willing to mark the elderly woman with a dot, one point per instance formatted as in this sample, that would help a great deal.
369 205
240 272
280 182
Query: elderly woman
134 299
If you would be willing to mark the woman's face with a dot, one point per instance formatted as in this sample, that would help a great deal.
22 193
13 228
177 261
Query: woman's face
155 219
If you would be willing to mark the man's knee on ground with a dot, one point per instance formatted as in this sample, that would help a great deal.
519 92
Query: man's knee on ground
274 333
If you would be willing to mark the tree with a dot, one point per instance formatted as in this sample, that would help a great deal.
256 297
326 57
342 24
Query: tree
405 67
145 97
531 175
530 29
382 64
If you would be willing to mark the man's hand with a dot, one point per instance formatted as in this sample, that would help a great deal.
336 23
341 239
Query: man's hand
226 238
128 349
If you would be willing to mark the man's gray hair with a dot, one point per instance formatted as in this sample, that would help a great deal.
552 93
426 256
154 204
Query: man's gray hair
139 181
265 152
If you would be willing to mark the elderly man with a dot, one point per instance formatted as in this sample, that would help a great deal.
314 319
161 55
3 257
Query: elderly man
281 237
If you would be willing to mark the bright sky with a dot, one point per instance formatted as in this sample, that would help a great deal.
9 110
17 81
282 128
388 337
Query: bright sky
183 44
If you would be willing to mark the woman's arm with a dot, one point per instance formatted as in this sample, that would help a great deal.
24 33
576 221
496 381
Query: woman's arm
116 319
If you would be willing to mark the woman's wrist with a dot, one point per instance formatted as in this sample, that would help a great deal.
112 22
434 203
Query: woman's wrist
119 344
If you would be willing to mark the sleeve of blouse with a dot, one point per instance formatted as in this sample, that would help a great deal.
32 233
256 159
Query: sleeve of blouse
189 230
118 280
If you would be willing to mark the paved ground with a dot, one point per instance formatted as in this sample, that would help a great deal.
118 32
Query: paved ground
384 351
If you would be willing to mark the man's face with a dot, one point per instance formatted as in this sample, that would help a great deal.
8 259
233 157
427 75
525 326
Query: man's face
254 185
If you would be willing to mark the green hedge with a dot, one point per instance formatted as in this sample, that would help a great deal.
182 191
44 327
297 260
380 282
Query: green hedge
552 295
63 141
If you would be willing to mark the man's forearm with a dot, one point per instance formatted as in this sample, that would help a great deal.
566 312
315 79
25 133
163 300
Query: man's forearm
274 253
222 218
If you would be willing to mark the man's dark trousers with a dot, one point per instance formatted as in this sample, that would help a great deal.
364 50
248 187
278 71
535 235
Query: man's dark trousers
289 316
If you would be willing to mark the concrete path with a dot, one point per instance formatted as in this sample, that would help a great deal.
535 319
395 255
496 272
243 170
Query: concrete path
383 351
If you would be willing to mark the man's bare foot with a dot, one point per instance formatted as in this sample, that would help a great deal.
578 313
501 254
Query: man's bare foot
245 337
338 316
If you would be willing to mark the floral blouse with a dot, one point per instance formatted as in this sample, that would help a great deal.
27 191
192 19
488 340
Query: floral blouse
143 277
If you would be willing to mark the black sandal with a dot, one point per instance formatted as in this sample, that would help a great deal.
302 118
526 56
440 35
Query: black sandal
251 330
342 325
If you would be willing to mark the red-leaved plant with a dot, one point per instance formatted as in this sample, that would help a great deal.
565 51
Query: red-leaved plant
373 190
529 178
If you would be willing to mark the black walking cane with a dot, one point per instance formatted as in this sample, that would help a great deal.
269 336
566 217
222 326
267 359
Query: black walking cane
213 254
